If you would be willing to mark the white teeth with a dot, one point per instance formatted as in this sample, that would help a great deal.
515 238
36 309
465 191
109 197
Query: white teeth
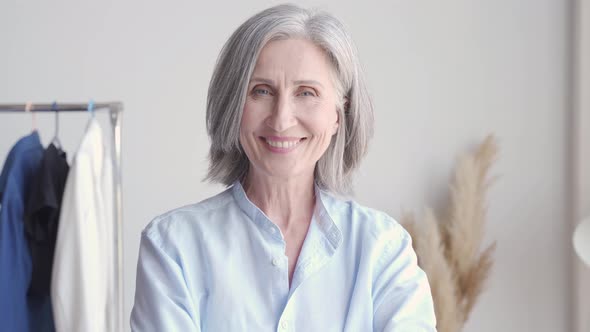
283 144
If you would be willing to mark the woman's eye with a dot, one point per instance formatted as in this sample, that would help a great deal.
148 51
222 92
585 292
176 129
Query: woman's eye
307 93
261 91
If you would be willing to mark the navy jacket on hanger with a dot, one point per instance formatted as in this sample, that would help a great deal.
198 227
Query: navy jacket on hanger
19 312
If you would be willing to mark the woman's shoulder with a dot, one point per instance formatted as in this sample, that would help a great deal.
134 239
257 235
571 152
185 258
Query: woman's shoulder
189 217
356 217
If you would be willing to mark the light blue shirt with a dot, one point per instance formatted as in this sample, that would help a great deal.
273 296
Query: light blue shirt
220 265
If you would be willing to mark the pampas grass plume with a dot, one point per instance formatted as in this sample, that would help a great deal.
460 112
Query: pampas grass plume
449 249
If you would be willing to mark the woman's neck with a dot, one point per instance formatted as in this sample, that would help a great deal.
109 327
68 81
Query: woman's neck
284 200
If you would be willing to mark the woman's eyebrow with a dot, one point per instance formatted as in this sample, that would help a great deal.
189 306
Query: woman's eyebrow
297 82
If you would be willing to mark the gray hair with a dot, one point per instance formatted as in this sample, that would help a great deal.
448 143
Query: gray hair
231 76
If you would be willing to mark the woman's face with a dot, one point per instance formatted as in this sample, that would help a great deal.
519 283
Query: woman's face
290 112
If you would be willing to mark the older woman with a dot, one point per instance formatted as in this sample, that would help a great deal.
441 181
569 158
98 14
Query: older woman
289 119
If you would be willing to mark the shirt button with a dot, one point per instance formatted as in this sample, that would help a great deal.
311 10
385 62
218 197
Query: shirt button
284 325
272 230
276 261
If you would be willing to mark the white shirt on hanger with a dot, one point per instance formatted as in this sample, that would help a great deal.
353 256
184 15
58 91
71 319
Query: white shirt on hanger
82 277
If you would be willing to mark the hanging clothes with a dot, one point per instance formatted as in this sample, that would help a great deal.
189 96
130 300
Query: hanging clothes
19 312
42 216
82 276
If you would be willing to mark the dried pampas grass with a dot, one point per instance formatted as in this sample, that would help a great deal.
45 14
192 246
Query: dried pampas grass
449 249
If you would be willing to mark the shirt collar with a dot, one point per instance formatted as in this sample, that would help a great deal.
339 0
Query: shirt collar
325 220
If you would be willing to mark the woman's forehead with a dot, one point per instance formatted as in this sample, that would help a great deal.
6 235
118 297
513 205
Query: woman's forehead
299 59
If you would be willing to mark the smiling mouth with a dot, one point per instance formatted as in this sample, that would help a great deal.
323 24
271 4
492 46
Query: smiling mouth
282 144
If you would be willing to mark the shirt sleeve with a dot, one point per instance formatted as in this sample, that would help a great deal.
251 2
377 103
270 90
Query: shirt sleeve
402 296
162 300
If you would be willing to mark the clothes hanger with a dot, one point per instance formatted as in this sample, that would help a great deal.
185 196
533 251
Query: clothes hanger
29 109
55 141
91 108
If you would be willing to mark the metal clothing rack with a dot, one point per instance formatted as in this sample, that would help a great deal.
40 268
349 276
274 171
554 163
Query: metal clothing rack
115 109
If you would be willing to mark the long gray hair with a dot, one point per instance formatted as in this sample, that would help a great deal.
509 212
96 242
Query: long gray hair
229 83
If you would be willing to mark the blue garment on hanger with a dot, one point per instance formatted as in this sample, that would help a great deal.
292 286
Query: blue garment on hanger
19 312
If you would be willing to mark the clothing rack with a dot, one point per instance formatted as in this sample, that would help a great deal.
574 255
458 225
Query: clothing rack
115 109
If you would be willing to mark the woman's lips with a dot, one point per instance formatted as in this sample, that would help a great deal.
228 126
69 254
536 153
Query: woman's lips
281 144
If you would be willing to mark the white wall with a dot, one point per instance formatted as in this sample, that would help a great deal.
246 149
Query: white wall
443 75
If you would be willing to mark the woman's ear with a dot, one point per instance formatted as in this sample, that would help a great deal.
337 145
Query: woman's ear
346 105
339 114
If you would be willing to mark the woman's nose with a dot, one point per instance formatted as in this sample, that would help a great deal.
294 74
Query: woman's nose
282 116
